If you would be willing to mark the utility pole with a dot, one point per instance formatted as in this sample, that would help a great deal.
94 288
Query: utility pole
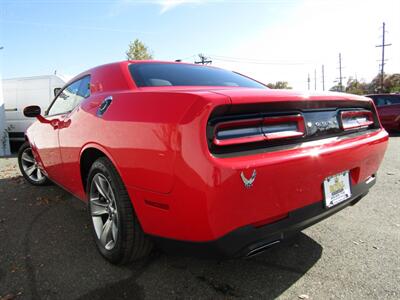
315 79
308 81
340 73
323 78
203 60
383 45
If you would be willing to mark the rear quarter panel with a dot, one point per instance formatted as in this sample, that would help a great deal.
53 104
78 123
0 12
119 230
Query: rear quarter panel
139 133
140 130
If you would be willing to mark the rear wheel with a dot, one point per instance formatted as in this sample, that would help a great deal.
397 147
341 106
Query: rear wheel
116 229
29 167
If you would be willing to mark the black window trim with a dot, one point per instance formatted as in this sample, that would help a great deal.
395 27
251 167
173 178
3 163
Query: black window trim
46 113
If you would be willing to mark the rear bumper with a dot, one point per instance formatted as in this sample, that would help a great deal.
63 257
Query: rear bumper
249 240
209 200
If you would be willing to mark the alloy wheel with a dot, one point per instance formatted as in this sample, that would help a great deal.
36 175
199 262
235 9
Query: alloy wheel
104 212
30 166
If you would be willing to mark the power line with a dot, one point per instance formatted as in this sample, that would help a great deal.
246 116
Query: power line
383 45
204 60
256 61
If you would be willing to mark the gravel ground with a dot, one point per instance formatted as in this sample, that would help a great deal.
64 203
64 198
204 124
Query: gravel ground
46 252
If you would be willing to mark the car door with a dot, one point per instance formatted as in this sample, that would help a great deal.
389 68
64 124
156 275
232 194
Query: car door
389 110
393 111
71 138
383 110
45 135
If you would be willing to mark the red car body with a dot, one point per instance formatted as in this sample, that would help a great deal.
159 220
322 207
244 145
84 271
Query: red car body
388 107
185 187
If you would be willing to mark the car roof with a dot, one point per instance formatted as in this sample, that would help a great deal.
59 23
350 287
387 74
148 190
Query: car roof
383 94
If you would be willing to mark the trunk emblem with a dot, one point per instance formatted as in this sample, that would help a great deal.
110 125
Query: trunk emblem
248 183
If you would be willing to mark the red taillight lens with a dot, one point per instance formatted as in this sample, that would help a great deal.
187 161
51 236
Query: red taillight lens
356 119
258 129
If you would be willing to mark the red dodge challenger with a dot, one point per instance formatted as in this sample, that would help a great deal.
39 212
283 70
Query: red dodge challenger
198 159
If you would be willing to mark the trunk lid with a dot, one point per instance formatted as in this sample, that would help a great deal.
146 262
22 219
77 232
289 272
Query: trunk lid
245 95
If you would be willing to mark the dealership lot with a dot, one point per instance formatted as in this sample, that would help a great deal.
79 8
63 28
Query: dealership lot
47 252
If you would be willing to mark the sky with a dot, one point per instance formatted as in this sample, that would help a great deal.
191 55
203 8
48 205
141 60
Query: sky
268 40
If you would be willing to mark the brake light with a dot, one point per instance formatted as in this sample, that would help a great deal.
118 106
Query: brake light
356 119
258 129
283 127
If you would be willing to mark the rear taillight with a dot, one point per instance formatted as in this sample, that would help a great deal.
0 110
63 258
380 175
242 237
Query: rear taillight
258 129
356 119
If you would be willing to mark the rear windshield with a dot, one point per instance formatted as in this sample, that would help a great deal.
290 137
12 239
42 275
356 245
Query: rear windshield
164 74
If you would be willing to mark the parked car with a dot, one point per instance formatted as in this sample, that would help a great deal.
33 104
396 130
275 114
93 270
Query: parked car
25 91
200 160
388 106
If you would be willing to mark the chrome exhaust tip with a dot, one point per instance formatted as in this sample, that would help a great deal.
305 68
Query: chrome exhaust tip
261 249
370 179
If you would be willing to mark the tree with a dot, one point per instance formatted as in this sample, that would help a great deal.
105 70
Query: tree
279 85
336 88
138 51
357 87
391 84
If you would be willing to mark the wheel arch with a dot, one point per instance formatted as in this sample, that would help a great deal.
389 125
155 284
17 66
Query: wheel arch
88 155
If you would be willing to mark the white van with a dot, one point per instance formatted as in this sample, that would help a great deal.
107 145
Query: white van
22 92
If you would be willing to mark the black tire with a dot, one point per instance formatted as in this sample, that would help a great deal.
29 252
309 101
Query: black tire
131 243
25 166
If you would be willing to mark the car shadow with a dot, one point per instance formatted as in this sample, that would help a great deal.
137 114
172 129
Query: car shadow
50 254
266 276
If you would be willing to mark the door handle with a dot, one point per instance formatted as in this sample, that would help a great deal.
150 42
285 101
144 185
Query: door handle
11 109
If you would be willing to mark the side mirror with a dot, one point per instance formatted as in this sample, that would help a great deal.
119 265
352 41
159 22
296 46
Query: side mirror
56 91
32 111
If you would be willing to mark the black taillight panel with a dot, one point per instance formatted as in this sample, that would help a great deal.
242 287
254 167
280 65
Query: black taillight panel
236 133
258 129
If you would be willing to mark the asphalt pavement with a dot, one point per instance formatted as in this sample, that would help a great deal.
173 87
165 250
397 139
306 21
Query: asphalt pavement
47 252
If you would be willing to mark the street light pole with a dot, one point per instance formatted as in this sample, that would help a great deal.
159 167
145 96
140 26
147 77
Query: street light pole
4 141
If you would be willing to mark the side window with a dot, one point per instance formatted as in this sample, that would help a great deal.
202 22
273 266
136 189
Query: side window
70 97
84 89
380 101
395 99
65 100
